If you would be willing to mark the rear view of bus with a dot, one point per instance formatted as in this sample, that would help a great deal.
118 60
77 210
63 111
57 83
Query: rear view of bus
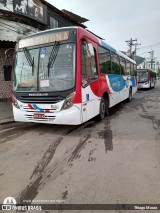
146 78
44 78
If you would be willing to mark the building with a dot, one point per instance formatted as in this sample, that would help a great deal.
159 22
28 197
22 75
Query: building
23 17
147 63
141 62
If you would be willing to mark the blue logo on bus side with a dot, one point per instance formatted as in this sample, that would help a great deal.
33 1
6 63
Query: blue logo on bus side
117 82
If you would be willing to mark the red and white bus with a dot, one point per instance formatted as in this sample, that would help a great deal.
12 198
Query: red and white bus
68 76
146 78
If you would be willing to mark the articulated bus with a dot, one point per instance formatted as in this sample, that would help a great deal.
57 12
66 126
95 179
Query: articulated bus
146 78
68 76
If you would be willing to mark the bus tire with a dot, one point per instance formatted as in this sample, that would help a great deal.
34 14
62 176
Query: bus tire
102 109
150 86
107 106
130 95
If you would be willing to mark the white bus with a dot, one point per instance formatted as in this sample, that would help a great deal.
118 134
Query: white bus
68 76
146 78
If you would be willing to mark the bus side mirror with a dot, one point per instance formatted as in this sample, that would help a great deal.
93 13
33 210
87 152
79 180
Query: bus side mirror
90 49
7 68
7 73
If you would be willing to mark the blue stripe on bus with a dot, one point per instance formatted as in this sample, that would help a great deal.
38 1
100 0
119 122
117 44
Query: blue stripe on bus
36 107
104 44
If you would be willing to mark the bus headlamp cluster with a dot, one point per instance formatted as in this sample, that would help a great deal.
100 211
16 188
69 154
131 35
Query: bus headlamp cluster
68 103
15 102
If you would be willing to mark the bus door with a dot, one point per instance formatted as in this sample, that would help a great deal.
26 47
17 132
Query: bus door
116 78
90 85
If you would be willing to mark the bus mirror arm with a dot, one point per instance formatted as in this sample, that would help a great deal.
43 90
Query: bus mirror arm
7 67
7 56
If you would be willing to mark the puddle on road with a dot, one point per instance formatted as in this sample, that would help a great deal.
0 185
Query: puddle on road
106 134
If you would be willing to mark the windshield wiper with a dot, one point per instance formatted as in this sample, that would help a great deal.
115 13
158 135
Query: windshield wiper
53 56
29 59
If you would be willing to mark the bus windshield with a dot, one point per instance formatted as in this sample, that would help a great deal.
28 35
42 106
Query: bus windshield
142 76
48 68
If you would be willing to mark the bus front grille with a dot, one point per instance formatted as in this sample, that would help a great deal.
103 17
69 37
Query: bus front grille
41 100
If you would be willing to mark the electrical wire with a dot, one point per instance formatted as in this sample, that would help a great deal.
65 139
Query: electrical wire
4 25
157 44
8 28
14 27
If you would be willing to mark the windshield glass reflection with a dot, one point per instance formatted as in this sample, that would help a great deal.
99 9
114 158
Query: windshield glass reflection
50 68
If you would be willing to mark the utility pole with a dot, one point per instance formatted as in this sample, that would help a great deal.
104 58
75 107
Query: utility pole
135 52
152 58
130 43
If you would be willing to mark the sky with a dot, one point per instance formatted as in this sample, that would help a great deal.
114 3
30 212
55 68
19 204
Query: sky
120 20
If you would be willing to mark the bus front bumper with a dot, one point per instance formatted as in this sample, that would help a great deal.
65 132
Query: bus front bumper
143 85
70 116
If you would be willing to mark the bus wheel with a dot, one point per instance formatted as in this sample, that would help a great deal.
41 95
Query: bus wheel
102 110
107 107
150 86
130 95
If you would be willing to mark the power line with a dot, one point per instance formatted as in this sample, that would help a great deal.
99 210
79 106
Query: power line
13 27
8 28
149 46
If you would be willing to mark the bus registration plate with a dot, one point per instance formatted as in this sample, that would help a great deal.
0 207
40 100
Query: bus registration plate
38 116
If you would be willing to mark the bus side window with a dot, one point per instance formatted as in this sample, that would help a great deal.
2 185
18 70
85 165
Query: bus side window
115 64
128 68
89 63
123 65
133 70
104 60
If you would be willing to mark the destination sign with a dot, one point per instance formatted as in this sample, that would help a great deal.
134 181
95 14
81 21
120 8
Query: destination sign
44 39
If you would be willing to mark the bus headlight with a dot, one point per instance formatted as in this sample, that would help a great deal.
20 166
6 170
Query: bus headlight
15 102
68 103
